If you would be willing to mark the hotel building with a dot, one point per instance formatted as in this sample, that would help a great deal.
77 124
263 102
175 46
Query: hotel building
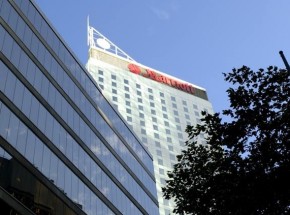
155 105
63 147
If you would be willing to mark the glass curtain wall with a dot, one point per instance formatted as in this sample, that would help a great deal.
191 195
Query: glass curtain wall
55 124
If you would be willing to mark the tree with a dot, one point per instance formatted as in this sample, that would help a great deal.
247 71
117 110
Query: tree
244 167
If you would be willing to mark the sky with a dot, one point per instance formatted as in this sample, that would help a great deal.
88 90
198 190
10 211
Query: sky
196 41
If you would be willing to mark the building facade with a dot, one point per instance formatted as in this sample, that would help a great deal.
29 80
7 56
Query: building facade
63 147
157 107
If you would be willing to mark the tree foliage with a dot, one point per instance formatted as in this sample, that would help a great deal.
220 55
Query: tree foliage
244 167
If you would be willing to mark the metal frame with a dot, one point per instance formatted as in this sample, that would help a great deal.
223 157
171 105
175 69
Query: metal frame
94 36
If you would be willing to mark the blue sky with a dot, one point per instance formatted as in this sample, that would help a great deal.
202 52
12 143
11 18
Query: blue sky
192 40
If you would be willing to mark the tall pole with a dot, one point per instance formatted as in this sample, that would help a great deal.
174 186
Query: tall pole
285 61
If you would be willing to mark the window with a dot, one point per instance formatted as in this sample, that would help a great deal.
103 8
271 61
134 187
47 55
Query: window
101 72
153 112
162 101
139 93
150 90
141 115
184 102
187 116
180 136
175 112
170 148
128 110
142 123
172 157
161 171
143 131
126 81
126 88
161 94
129 119
156 135
166 123
113 77
169 140
128 103
172 98
174 105
177 120
114 84
164 108
185 109
154 119
144 140
115 99
152 104
101 86
127 96
181 143
165 116
140 107
114 91
178 127
196 113
101 79
160 162
138 86
151 97
162 181
158 152
167 131
157 144
155 127
194 106
139 100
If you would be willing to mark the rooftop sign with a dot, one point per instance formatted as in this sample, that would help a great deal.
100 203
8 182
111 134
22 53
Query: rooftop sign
148 73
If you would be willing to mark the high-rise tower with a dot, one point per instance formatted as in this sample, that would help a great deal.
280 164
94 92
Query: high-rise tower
157 106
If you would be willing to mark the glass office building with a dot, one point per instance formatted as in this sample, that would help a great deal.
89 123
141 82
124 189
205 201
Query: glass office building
155 105
63 147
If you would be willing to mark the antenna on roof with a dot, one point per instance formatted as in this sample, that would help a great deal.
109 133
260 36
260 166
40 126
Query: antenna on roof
284 60
88 28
